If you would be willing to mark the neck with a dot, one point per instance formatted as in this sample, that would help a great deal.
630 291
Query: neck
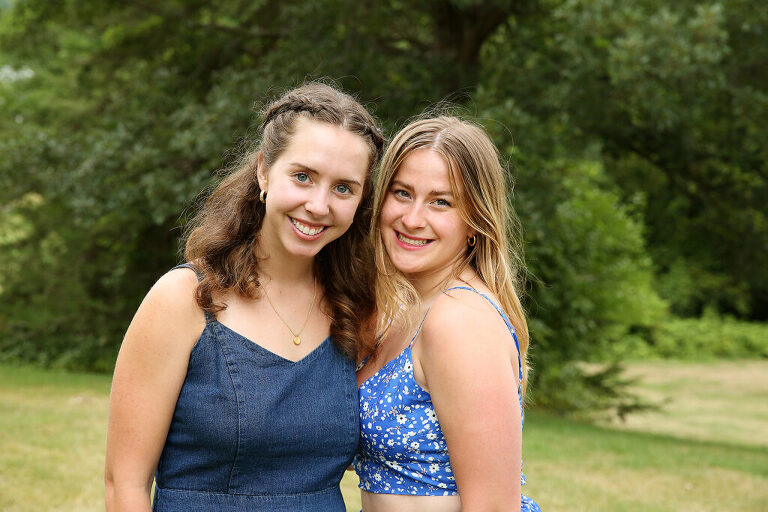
282 270
429 286
281 266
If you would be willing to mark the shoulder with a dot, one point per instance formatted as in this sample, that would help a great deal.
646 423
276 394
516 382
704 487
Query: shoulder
180 279
461 313
175 290
462 326
464 337
170 311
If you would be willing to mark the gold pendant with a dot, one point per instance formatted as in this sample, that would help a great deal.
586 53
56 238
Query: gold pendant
296 340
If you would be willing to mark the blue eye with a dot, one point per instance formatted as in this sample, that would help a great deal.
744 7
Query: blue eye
442 203
302 177
401 193
343 189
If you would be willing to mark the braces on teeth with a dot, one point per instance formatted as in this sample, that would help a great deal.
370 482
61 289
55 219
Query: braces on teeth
411 241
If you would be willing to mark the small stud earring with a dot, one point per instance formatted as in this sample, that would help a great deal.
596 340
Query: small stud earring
471 240
263 196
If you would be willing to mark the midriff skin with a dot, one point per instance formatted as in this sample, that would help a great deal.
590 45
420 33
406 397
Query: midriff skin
405 503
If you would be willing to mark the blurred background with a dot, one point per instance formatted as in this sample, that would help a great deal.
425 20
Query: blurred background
637 137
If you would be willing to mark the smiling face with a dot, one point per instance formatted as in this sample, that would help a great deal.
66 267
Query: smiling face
421 228
313 189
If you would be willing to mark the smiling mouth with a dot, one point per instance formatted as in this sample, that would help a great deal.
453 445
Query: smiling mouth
415 242
307 229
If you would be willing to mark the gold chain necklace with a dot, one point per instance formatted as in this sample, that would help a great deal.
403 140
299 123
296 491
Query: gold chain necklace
296 338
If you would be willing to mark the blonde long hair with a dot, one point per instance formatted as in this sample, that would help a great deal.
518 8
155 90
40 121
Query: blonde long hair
483 203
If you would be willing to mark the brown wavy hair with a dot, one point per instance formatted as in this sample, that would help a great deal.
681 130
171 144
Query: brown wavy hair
222 237
483 203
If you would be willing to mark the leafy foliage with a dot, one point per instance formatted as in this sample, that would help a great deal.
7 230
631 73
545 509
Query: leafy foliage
639 151
697 339
672 100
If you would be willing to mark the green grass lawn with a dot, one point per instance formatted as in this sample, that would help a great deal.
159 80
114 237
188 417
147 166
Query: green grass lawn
706 450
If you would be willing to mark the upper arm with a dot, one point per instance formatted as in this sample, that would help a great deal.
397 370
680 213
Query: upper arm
467 364
149 373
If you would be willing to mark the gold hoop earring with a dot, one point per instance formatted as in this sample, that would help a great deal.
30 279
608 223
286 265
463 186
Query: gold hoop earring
263 196
471 240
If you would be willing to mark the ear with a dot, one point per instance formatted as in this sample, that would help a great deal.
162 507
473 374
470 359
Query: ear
261 173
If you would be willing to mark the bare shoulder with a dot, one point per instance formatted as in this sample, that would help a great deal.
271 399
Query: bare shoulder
169 312
176 286
466 319
463 337
174 295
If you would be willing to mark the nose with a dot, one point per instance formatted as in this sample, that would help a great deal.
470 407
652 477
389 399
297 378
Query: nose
317 204
413 217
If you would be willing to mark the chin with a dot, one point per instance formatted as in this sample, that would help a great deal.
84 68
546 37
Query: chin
404 268
298 251
312 250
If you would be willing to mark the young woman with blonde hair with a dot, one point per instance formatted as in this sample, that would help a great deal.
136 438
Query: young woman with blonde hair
235 384
441 395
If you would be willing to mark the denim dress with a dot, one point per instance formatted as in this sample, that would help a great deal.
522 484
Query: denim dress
255 431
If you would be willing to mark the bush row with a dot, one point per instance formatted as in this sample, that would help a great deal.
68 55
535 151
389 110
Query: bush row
704 338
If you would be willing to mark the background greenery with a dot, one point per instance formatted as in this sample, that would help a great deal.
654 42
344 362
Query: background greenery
636 132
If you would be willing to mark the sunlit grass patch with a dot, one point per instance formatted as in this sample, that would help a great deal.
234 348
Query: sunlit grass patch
583 467
704 451
52 436
725 401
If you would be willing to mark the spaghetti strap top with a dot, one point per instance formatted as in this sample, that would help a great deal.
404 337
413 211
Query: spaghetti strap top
402 448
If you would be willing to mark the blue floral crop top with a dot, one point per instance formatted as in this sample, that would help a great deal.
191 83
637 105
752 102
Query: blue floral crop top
402 448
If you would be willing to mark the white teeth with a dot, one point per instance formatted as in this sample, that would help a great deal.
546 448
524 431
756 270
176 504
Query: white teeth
411 241
306 229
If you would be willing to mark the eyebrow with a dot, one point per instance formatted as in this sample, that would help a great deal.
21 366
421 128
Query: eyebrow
431 193
313 171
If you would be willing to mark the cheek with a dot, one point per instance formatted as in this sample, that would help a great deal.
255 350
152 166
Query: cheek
454 228
347 210
389 212
277 200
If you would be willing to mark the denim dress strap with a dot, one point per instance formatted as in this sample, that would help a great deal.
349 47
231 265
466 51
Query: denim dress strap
209 317
506 321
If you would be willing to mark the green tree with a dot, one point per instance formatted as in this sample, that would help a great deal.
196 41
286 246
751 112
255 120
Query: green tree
638 148
673 100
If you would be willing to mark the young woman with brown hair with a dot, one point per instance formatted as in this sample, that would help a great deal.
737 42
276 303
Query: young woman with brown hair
235 386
